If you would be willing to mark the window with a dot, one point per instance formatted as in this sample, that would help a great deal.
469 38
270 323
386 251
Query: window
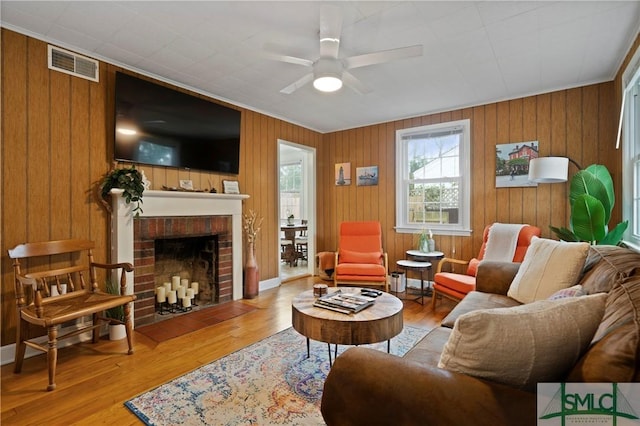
433 178
290 189
631 152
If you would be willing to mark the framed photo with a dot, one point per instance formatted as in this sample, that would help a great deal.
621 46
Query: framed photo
512 164
186 184
367 176
343 174
230 187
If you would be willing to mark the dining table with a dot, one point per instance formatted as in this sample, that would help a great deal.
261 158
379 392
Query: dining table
290 231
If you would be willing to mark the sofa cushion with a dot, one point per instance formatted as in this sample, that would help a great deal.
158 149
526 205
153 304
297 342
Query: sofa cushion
614 354
548 267
477 300
428 350
606 266
523 345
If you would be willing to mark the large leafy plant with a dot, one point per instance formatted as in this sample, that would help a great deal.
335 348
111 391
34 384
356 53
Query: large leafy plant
592 198
128 179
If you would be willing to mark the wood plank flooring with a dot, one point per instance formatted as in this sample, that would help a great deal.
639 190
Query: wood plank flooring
93 381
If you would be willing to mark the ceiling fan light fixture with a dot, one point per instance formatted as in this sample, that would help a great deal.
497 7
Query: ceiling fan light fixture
327 73
327 83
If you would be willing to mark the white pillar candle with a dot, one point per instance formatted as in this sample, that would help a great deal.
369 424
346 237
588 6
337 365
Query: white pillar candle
161 293
175 282
184 282
172 297
63 289
190 293
167 288
194 286
181 291
186 302
54 291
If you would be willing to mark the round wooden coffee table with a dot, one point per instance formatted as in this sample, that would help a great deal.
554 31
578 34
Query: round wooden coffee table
377 323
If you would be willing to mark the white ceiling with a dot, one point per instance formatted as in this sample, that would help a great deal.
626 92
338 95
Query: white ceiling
474 52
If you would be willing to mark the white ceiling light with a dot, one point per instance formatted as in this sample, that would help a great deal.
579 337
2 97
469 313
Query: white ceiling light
327 75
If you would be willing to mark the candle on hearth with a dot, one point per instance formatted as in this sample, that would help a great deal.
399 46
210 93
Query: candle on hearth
181 292
175 282
167 288
172 297
161 295
186 302
195 287
190 293
184 282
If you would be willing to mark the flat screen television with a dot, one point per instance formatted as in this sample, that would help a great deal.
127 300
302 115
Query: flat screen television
159 126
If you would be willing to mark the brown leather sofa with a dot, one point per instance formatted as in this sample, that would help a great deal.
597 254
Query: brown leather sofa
370 387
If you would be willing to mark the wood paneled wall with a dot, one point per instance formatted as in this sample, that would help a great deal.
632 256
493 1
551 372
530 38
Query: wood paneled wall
57 136
578 123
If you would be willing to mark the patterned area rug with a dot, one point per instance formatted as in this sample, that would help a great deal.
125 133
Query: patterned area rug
271 382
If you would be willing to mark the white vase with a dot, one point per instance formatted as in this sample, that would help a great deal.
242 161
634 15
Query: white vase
117 331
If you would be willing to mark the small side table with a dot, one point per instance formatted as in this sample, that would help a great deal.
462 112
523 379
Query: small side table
430 256
415 266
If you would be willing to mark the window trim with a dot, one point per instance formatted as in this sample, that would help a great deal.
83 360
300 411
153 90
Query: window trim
464 227
630 148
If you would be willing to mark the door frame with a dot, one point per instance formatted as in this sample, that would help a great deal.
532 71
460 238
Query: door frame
309 187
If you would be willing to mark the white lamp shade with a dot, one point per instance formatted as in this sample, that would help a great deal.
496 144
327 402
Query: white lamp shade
549 169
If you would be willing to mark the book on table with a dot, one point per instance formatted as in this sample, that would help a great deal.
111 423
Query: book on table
347 303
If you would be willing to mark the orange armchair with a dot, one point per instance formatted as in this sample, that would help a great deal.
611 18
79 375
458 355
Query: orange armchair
360 259
456 286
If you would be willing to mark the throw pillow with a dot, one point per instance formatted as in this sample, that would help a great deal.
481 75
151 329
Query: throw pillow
348 256
547 267
526 344
575 291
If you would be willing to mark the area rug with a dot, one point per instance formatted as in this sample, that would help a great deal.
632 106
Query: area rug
190 322
271 382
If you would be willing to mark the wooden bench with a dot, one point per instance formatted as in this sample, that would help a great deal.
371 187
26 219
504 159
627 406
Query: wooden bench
51 265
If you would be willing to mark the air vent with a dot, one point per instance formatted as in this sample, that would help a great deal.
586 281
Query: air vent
72 63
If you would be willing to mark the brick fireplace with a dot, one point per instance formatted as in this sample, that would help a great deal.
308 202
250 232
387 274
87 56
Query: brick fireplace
173 214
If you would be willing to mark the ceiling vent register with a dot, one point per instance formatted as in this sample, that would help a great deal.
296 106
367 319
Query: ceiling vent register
72 63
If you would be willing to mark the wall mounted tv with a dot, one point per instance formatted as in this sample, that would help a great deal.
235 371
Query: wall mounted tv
159 126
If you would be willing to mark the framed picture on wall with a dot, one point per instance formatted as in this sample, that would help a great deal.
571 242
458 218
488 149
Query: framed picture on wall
367 176
512 164
343 174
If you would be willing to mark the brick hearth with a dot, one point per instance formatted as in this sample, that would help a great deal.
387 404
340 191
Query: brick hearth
148 229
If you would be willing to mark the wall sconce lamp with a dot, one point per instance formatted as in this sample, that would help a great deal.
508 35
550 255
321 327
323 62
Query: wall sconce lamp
550 169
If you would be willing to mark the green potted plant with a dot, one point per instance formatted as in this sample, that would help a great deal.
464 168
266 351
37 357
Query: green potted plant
117 329
426 243
592 198
290 219
130 180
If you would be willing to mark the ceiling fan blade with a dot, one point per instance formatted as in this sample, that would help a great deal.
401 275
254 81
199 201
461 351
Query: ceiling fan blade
297 84
355 84
330 30
382 56
287 58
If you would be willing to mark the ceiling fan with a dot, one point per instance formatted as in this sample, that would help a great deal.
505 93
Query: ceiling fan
329 72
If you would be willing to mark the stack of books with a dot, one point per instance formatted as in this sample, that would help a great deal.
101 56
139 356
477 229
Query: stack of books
346 303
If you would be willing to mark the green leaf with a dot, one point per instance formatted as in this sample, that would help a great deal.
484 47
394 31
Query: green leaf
585 182
602 174
615 235
564 234
588 218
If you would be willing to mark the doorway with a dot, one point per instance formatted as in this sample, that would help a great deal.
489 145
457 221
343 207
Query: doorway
296 195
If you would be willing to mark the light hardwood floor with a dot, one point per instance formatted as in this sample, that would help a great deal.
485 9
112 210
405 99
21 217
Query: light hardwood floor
94 381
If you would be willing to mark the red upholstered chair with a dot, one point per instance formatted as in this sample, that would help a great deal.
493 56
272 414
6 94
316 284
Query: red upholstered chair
360 259
456 286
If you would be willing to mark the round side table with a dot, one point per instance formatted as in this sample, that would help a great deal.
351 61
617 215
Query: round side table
421 267
429 256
